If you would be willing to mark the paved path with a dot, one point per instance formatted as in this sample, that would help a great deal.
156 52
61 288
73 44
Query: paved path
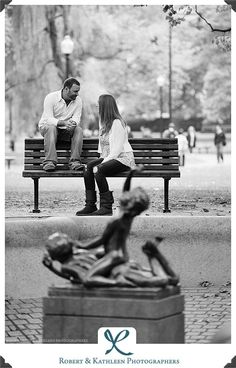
206 311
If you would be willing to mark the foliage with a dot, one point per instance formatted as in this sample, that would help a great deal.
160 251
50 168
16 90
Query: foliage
176 16
120 50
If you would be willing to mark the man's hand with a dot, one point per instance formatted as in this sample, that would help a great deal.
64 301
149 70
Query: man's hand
68 124
71 124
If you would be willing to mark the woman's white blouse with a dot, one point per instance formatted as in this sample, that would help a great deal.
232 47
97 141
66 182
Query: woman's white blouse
118 141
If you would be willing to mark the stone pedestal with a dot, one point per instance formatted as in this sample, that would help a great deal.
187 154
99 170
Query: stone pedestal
73 314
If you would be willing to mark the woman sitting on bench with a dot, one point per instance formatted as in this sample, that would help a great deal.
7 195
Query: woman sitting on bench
116 155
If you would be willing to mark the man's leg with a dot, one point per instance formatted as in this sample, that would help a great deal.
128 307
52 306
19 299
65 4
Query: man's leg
74 136
76 144
49 132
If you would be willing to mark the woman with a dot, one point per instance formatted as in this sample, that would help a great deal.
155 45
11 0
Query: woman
219 141
116 155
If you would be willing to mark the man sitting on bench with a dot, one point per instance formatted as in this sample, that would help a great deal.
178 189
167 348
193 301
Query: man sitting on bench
60 121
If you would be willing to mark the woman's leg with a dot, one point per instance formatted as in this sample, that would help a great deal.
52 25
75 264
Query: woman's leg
109 168
90 193
89 180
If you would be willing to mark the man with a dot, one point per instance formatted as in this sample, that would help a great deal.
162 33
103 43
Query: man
170 132
60 121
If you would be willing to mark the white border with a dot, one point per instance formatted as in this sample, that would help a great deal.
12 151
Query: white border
191 356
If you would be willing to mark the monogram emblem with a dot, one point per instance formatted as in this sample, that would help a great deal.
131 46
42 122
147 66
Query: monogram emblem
119 337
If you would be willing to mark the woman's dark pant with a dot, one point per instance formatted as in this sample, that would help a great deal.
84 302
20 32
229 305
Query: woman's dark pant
109 168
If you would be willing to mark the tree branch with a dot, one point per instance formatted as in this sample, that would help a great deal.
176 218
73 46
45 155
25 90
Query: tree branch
86 54
209 24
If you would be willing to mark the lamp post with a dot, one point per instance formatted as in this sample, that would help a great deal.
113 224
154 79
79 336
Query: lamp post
170 72
67 46
160 83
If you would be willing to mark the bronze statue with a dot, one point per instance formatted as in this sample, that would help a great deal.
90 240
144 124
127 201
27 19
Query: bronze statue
104 261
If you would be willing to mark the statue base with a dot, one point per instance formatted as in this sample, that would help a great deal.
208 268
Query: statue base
73 314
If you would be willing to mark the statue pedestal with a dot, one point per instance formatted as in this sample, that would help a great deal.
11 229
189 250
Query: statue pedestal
73 314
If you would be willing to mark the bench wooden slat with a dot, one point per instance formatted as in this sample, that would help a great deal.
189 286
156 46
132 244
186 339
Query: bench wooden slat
154 147
150 141
60 154
60 146
156 161
166 154
142 147
61 161
41 140
146 167
71 173
65 160
147 141
39 167
156 154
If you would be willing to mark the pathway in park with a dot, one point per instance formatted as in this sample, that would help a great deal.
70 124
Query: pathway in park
207 309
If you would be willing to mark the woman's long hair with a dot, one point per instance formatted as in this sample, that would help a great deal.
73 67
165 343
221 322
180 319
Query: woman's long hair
108 112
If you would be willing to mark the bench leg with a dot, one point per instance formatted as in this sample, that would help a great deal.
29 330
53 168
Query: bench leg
36 195
166 196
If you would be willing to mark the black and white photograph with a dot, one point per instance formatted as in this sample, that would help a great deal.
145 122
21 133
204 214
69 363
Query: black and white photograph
117 175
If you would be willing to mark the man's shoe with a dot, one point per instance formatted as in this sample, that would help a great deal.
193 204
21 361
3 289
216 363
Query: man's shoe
76 165
49 166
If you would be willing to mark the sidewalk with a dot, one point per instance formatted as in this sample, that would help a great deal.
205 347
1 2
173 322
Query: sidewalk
206 310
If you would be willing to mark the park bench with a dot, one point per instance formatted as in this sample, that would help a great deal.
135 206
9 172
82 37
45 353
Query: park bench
159 158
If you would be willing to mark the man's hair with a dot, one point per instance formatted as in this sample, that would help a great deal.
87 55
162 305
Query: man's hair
69 82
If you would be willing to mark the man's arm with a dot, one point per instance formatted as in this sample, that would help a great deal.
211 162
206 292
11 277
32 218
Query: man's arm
48 115
78 111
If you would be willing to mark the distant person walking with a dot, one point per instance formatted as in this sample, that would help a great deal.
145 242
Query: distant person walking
170 132
192 138
182 146
116 155
220 142
60 121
